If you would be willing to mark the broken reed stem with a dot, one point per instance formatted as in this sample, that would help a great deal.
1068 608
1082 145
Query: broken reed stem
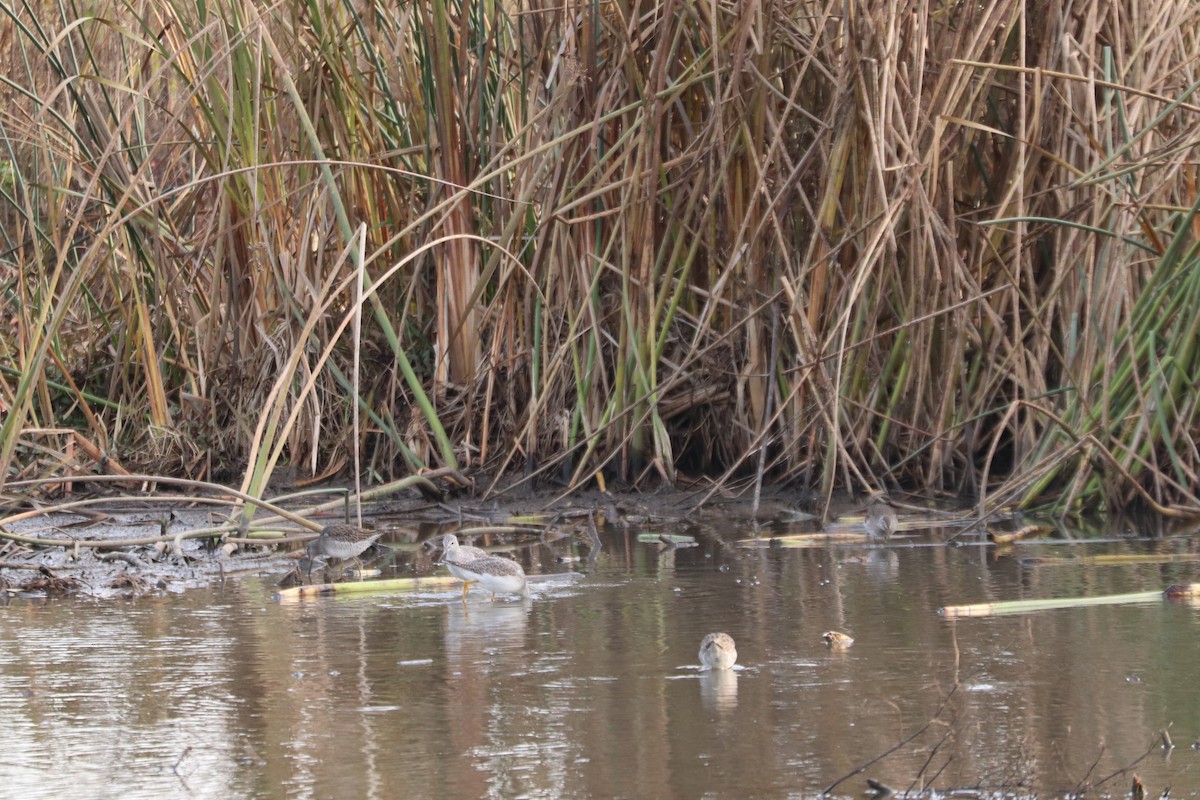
155 479
357 587
1006 607
393 585
266 537
1110 560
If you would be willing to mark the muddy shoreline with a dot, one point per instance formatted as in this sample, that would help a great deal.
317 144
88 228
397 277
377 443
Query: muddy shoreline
112 545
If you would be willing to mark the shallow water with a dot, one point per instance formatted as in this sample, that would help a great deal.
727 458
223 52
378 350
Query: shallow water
591 689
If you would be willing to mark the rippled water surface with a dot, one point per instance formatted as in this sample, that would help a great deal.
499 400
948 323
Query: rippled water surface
592 690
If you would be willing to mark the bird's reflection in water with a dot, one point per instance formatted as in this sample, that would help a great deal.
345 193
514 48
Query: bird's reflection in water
719 689
883 564
477 631
485 700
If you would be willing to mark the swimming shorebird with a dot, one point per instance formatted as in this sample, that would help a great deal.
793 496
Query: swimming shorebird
881 517
717 651
455 552
341 542
836 640
497 575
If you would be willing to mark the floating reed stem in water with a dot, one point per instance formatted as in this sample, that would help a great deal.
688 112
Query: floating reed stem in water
667 538
1111 560
355 587
804 540
1002 608
397 585
1013 536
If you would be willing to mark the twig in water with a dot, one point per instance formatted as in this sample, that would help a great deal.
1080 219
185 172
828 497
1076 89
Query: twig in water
880 789
862 767
929 760
1083 787
175 767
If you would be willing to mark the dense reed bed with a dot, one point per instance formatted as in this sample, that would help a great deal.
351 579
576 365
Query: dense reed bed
944 246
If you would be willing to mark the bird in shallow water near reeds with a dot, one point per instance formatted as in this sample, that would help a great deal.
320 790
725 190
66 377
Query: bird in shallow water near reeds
497 575
717 651
881 517
341 542
454 554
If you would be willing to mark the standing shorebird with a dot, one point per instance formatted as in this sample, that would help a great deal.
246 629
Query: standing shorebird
881 518
497 575
717 651
341 542
454 552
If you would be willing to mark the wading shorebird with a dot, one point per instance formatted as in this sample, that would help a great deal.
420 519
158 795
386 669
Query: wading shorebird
341 542
717 651
881 518
462 553
497 575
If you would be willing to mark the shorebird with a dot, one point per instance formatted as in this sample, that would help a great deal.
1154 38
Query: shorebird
881 517
341 542
717 651
497 575
455 552
836 640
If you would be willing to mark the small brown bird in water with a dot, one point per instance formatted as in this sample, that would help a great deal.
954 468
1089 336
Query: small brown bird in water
881 517
717 651
341 542
836 640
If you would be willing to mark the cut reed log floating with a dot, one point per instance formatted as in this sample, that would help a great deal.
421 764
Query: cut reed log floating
1112 560
1021 533
294 593
1006 607
667 538
357 587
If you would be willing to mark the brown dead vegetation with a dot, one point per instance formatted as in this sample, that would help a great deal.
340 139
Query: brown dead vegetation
941 245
